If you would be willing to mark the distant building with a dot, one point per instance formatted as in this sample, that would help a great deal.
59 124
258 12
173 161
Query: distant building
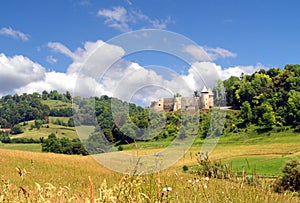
6 130
204 101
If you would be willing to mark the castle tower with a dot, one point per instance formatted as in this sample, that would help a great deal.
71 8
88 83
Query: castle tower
204 98
177 103
210 98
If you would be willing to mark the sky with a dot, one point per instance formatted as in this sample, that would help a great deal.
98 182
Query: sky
73 44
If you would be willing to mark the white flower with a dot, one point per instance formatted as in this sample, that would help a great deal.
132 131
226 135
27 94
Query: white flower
197 180
190 181
205 186
169 189
206 178
165 189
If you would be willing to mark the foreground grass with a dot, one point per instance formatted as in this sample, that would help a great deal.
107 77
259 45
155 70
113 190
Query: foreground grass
61 178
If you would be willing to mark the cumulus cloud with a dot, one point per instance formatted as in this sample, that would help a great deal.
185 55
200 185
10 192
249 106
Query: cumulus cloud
98 69
201 53
62 82
96 57
238 70
8 31
122 19
18 71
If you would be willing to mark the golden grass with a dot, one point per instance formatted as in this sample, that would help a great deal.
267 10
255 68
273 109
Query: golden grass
59 178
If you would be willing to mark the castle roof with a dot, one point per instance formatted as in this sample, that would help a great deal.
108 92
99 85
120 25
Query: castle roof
204 90
210 92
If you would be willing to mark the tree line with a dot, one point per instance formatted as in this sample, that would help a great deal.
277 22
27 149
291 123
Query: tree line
268 97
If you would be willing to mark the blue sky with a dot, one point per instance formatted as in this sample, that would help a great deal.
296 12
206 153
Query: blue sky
241 36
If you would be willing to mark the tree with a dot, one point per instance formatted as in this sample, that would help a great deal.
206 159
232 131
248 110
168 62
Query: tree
68 95
268 117
231 85
246 112
71 122
38 123
45 95
17 129
291 177
196 93
177 95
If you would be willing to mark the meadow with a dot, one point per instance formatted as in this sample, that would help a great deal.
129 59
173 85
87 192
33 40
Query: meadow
46 129
46 177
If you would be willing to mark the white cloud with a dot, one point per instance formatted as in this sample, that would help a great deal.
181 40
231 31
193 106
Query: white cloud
197 52
219 52
238 70
97 69
116 18
18 71
14 33
122 19
96 57
79 84
201 53
61 49
51 59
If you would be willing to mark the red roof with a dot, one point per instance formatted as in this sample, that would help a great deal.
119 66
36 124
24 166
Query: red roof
7 130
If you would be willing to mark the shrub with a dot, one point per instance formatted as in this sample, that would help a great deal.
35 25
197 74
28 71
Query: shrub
185 168
290 181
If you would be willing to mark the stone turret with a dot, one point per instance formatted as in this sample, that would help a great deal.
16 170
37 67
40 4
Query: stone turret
204 102
210 98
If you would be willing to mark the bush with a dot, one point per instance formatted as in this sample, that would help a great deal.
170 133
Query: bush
17 129
185 168
290 181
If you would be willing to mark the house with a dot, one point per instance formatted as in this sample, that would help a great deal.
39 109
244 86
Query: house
6 130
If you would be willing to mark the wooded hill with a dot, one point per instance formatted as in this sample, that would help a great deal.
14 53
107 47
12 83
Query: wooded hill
267 99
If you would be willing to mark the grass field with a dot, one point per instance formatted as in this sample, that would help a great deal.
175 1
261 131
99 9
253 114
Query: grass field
57 104
63 178
46 129
22 147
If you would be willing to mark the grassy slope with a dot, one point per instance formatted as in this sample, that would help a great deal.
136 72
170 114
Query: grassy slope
58 130
56 104
263 153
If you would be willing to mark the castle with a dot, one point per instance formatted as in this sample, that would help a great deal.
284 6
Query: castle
204 101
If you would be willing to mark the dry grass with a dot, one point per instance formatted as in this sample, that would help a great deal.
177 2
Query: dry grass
47 177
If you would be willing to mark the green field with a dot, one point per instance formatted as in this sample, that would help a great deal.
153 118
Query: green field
46 129
57 104
22 147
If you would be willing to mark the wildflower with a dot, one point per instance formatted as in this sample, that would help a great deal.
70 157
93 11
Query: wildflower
190 181
165 189
206 178
169 189
205 186
197 180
